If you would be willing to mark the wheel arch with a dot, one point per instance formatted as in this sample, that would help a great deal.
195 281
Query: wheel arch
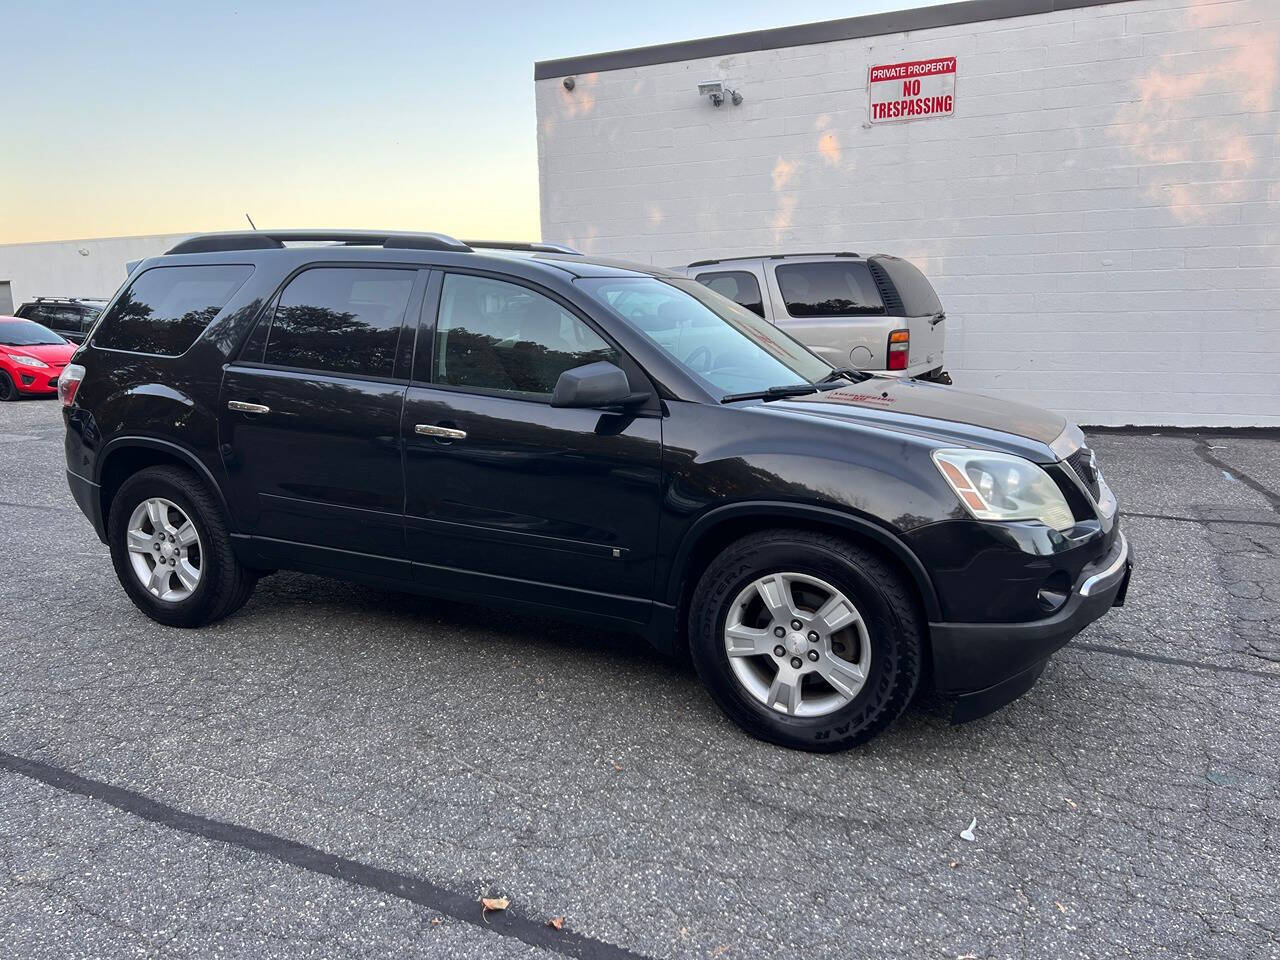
718 527
125 456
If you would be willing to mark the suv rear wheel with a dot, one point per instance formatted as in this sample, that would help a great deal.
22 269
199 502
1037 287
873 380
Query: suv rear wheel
170 547
806 640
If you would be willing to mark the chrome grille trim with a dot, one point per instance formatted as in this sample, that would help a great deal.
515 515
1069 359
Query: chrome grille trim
1079 464
1068 442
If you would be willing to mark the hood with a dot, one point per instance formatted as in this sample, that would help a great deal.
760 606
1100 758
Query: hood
939 412
54 354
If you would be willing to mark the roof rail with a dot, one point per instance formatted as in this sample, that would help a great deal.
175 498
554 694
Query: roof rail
276 239
73 299
775 256
537 247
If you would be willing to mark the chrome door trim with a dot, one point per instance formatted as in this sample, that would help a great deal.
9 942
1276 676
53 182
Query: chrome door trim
241 406
448 433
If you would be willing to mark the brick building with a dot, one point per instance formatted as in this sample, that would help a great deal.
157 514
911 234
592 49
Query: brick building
1099 207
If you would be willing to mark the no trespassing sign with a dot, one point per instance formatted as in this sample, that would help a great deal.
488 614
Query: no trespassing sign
913 90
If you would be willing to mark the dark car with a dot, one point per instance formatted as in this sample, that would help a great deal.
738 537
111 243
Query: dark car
69 317
574 436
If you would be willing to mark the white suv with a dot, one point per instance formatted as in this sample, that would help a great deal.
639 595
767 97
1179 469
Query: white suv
877 313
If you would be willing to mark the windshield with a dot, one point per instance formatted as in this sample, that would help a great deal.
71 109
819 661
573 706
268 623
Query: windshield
24 333
725 345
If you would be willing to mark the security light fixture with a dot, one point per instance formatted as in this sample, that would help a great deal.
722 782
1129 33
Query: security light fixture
715 91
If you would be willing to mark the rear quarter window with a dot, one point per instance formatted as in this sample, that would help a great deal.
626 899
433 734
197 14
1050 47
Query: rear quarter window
740 286
838 288
912 286
166 309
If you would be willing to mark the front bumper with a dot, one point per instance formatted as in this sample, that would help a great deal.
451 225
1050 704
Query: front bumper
36 381
986 665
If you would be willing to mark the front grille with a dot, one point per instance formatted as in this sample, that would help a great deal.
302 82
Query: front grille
1080 462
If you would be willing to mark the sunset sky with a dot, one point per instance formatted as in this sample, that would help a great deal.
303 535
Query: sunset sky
170 117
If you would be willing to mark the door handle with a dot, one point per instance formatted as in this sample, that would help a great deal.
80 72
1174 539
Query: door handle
241 406
448 433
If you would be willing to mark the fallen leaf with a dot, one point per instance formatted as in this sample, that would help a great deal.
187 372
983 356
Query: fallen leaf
953 864
618 767
436 921
967 832
556 923
492 903
720 950
1061 908
1071 803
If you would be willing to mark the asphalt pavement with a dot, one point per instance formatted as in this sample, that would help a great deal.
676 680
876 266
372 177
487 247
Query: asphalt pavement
340 771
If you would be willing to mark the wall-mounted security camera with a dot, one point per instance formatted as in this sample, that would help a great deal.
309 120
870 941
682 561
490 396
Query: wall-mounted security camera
715 91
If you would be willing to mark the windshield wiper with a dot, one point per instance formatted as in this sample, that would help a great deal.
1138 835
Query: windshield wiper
853 376
937 318
774 393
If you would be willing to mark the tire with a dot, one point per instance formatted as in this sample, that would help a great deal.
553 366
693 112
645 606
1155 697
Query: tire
223 585
8 389
886 636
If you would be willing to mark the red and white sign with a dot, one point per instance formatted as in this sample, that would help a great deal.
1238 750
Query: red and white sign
913 90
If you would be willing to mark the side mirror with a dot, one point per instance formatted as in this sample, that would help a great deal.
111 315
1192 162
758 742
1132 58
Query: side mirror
595 385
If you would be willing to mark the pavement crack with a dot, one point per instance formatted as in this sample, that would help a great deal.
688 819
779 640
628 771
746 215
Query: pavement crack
1173 661
1205 453
462 907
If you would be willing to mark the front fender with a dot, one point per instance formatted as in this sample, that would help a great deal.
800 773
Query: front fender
767 511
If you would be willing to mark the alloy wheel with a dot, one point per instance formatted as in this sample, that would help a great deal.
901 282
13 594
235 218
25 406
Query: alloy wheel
797 644
164 550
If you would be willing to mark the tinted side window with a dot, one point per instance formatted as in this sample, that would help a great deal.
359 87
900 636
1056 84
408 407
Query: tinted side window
738 285
166 308
67 318
341 320
502 336
833 289
918 296
40 313
90 315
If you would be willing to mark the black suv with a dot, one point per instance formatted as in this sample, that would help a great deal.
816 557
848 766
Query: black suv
69 317
599 440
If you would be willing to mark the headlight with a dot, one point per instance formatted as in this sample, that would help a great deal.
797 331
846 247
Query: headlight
25 360
1000 486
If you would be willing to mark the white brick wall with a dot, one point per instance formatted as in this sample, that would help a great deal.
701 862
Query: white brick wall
58 268
1101 216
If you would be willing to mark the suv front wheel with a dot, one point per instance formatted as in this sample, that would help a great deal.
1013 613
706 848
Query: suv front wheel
171 550
806 640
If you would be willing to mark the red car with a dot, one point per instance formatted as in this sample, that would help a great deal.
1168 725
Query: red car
31 358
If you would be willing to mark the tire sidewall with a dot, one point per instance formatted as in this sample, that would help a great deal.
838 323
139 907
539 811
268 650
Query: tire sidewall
853 722
8 387
131 493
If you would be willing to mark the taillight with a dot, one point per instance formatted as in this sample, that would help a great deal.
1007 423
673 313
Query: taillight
899 349
69 383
